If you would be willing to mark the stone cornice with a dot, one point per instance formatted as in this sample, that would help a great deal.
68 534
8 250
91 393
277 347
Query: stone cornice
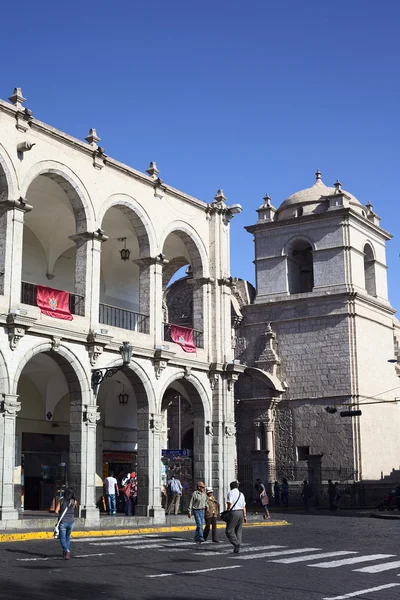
87 149
326 216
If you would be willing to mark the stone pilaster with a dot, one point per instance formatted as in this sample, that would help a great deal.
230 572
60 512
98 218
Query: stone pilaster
151 294
82 457
12 213
8 414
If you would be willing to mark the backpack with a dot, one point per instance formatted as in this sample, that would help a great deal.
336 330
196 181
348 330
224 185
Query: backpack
174 487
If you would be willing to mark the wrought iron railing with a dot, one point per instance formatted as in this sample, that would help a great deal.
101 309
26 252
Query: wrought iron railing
198 336
29 294
125 319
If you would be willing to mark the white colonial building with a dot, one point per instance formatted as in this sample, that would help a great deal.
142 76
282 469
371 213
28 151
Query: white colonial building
67 210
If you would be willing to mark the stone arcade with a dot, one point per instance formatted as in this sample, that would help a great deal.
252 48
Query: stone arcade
74 219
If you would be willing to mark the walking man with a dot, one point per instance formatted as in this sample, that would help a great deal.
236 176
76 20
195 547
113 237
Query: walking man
111 492
174 487
331 495
235 503
306 493
197 506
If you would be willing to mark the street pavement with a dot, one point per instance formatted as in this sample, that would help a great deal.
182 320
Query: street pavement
315 558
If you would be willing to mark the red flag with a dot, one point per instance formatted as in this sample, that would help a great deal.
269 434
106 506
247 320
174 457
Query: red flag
53 303
184 337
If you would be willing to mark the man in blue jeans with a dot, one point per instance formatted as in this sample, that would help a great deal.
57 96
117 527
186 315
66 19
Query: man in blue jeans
197 507
111 492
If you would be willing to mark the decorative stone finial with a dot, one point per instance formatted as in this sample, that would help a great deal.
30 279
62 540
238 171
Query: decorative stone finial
338 187
318 175
369 207
219 196
152 170
267 200
92 137
17 98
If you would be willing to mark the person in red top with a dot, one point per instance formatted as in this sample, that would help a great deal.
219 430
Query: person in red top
131 493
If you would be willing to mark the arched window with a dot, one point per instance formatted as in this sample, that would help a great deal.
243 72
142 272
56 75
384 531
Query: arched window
300 268
369 270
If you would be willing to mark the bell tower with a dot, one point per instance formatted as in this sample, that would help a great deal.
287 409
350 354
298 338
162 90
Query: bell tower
321 281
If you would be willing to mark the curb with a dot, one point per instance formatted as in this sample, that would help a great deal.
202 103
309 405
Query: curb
48 535
386 516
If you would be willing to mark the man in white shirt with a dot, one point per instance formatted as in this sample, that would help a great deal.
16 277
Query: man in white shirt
236 503
111 492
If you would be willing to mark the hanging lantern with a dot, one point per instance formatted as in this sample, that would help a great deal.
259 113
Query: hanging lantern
125 252
123 397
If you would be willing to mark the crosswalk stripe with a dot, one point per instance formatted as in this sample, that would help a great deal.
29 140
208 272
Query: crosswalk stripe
159 545
141 543
350 561
115 537
194 572
288 561
44 558
379 568
361 592
270 554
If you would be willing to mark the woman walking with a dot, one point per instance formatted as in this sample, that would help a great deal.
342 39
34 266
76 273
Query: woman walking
212 512
131 493
65 508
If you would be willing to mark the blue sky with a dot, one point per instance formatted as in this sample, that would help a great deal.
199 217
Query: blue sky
251 97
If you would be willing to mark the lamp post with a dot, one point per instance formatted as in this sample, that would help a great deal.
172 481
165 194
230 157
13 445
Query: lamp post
98 375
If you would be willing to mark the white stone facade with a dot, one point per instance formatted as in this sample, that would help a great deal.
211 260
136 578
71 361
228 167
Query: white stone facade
66 212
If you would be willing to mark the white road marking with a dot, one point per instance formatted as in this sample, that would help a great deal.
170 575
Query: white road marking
270 554
288 561
350 561
141 543
195 572
250 549
360 592
61 558
159 546
379 568
115 537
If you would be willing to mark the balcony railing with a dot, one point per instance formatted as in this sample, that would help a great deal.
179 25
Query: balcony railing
125 319
198 337
29 293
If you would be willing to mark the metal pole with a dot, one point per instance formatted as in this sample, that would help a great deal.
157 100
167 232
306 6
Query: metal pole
179 420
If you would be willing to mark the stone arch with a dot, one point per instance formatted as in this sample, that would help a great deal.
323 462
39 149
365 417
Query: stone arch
291 242
197 385
82 411
73 187
137 216
4 376
8 175
369 268
300 265
63 356
194 244
202 415
138 375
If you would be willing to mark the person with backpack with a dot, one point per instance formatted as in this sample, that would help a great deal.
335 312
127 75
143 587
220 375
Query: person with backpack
65 509
174 492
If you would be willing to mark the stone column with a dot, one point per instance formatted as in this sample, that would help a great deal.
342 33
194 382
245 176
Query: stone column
12 235
151 430
269 426
9 409
151 294
314 464
82 457
258 436
87 272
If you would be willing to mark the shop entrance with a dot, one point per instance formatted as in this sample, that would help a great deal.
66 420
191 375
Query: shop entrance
44 469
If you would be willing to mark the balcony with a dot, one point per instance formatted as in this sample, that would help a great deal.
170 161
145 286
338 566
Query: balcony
125 319
198 337
29 293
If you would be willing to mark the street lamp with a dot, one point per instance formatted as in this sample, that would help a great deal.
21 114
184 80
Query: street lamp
98 375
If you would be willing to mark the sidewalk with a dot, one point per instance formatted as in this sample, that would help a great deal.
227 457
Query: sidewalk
111 526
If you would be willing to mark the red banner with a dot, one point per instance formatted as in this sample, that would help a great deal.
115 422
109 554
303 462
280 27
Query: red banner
184 337
53 303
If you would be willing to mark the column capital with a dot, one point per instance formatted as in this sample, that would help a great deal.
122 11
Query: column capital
17 204
84 236
157 423
10 405
91 414
147 261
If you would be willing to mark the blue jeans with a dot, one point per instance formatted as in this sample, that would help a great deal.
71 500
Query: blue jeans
199 518
111 504
65 534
